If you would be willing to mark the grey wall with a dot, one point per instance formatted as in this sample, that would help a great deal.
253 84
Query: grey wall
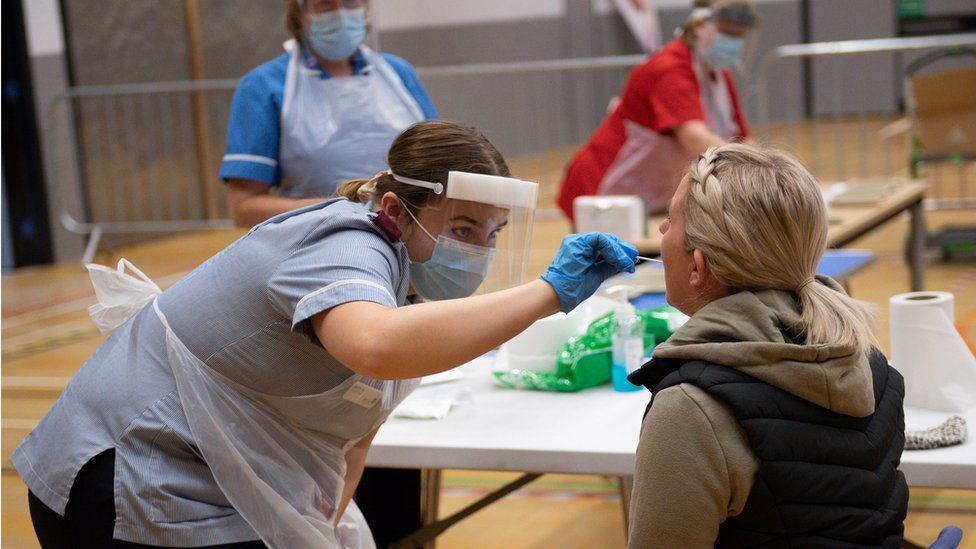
122 41
49 75
522 113
59 155
948 7
853 84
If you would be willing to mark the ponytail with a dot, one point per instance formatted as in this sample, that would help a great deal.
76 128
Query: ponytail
832 316
350 190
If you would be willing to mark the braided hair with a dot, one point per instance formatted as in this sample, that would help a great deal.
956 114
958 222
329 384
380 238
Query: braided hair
759 218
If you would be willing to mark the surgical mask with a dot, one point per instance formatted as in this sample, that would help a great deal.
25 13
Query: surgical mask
455 269
726 52
336 34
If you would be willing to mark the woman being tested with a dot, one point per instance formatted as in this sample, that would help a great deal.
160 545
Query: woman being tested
774 422
241 402
322 113
681 101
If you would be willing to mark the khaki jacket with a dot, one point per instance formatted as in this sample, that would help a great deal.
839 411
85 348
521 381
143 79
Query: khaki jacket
695 467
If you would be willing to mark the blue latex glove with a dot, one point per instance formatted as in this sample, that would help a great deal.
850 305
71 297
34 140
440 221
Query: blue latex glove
949 538
583 262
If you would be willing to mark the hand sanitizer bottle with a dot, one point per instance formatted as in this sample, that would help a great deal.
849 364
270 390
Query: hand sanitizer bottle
628 345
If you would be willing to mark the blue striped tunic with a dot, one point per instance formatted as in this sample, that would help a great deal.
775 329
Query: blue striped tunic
245 313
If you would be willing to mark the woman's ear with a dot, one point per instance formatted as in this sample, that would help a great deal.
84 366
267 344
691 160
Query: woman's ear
699 270
704 280
391 206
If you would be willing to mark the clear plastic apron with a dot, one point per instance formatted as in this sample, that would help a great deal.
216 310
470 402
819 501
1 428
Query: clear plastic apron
341 128
279 460
650 164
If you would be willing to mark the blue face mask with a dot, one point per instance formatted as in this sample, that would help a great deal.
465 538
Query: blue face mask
336 34
726 52
455 269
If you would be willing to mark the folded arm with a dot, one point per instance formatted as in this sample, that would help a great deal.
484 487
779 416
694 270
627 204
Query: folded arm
251 202
695 136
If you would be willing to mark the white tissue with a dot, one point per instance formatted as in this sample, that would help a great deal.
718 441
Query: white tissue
431 401
939 369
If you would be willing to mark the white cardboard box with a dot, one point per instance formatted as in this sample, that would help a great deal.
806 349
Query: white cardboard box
622 215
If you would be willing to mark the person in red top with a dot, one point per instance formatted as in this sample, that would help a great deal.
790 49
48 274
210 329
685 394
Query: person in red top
677 104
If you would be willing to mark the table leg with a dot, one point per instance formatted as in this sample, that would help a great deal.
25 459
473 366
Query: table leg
917 238
430 505
421 537
626 486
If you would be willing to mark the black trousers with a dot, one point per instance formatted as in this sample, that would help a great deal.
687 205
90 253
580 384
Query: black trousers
89 518
390 501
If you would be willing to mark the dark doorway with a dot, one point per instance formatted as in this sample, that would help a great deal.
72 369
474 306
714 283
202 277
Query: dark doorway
23 175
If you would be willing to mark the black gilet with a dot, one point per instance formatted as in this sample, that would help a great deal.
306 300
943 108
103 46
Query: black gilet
824 479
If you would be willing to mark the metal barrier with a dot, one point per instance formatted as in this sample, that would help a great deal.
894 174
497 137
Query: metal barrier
142 156
865 141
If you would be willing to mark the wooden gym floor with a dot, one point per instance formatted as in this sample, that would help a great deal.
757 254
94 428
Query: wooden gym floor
46 336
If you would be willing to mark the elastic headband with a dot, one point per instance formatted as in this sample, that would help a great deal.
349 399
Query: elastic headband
699 14
438 188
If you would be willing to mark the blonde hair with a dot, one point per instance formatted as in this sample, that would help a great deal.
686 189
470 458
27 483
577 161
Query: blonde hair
759 218
428 151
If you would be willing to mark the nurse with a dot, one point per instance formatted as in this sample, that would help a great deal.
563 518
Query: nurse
239 404
323 112
677 104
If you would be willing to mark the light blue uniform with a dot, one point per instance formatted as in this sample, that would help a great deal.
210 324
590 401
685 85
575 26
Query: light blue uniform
254 135
245 314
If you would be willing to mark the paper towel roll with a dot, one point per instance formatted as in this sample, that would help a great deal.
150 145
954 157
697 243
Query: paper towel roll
939 369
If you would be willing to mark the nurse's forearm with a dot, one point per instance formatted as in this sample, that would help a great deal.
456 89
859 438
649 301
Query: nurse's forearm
427 338
696 137
252 210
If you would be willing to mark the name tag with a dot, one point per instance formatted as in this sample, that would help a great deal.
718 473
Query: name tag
363 395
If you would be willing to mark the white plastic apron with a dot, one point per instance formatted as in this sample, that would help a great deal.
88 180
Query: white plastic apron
339 128
279 460
650 164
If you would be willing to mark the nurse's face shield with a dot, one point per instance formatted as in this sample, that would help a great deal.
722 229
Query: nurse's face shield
483 212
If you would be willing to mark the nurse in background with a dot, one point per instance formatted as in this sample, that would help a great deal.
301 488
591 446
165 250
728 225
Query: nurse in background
677 104
324 112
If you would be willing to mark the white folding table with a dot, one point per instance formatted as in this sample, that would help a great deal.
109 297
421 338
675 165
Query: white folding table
590 432
951 467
